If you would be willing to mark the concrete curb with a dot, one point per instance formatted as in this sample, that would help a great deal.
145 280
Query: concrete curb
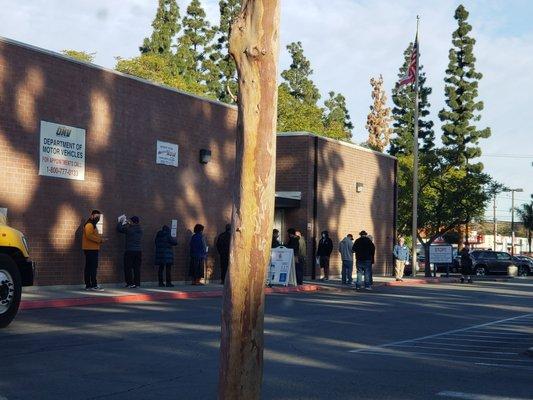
134 298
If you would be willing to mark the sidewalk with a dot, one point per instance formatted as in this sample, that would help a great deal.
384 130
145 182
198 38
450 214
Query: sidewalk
383 281
37 297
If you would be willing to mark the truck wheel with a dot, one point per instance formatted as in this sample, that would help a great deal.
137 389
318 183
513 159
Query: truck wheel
10 290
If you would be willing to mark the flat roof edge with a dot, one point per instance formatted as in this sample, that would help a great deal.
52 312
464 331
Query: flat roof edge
99 67
348 144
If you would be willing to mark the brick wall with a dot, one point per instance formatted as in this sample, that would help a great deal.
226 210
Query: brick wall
123 118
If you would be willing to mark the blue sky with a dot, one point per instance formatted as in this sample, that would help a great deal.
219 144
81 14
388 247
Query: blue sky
347 42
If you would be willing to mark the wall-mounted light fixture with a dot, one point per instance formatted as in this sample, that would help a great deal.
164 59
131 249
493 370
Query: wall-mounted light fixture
358 187
205 156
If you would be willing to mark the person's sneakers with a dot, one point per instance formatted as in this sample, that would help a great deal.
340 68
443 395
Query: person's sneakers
368 288
98 288
398 279
161 284
170 284
132 286
88 288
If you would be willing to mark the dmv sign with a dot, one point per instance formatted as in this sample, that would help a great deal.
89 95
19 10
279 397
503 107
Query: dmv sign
442 254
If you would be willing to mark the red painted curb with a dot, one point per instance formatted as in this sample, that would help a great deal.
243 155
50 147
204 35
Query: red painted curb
90 300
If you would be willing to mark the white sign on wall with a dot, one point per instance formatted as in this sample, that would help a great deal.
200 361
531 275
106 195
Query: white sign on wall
62 151
174 228
440 254
282 270
167 153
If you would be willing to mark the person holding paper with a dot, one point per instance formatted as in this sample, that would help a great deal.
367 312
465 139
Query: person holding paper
133 251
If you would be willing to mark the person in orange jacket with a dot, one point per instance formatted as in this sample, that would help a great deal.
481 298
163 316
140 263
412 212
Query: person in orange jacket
91 241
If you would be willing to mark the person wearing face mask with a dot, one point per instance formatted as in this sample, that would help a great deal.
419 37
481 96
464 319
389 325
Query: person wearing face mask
275 239
91 242
325 247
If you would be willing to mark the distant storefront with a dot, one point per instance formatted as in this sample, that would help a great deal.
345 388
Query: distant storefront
74 137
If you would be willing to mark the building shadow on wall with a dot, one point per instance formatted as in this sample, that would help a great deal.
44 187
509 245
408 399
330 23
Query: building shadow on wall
123 119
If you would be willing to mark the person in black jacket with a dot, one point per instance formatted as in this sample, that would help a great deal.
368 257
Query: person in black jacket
364 251
133 251
294 244
275 239
325 247
223 243
164 256
466 265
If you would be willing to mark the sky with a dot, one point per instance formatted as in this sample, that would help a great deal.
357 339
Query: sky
347 43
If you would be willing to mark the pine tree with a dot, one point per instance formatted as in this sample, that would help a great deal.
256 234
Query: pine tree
166 27
337 121
460 135
79 55
228 72
197 33
403 112
298 76
378 120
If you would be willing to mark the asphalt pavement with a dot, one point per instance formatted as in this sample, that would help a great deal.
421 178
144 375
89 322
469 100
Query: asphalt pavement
420 342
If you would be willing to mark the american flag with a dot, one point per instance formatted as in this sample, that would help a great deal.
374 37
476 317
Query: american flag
411 71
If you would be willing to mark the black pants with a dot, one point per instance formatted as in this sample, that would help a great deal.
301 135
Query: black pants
224 261
132 267
168 267
300 266
91 265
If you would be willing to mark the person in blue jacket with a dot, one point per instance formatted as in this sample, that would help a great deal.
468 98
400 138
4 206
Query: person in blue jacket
164 255
198 254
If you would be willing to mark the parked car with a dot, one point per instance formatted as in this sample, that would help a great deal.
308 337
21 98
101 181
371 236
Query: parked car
421 265
496 262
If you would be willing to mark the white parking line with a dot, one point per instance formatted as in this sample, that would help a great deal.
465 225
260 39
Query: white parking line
444 333
474 396
447 356
458 350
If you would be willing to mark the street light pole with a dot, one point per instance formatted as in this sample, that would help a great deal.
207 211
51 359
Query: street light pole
519 190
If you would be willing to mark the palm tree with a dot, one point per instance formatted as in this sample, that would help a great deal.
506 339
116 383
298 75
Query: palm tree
525 213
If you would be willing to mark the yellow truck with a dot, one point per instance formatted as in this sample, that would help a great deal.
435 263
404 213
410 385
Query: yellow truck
16 270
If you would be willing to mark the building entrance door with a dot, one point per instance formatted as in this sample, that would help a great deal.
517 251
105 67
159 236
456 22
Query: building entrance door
279 223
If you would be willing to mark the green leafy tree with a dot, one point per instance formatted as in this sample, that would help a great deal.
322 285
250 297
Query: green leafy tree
403 112
298 76
337 121
166 27
226 65
297 116
525 213
460 133
160 69
79 55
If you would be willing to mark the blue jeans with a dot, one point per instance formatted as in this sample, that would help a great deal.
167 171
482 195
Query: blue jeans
363 267
347 271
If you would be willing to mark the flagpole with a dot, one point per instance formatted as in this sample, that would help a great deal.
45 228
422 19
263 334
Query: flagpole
414 232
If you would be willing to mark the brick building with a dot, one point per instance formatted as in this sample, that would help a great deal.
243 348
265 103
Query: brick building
121 119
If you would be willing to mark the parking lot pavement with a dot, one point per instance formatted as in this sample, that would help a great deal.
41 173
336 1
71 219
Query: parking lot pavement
321 345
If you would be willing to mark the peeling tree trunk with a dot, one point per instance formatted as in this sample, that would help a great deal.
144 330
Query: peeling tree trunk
254 46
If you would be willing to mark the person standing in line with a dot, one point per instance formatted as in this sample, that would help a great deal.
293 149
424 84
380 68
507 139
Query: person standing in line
275 239
466 265
90 243
294 244
364 251
325 247
401 257
164 255
303 254
133 251
345 248
223 244
198 254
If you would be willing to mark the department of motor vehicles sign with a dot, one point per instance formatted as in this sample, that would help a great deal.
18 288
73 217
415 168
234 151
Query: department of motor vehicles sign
167 153
440 254
62 151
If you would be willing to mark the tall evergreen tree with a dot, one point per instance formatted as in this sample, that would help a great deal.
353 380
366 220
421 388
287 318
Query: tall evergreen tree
403 113
337 121
197 33
460 135
166 27
298 76
228 72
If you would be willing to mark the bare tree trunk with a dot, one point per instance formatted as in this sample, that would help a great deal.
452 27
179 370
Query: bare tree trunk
254 42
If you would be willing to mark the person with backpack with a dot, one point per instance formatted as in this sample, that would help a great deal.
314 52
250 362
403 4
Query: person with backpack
164 255
325 247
